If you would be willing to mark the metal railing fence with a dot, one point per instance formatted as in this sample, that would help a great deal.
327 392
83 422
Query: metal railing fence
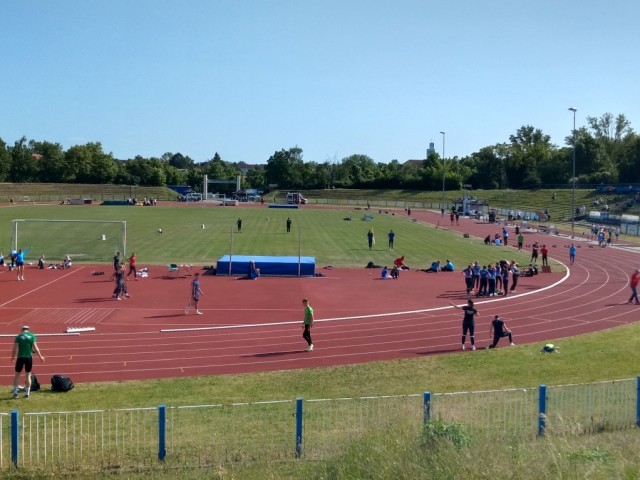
222 434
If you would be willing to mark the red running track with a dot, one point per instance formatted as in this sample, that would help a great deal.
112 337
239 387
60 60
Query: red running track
251 326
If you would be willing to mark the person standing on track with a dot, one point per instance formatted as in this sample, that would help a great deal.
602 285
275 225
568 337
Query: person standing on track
468 278
634 286
23 348
132 266
476 275
195 293
544 251
515 274
308 323
572 254
120 292
534 252
497 330
20 262
468 323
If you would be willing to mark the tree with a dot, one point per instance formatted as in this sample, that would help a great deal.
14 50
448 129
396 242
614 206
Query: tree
53 165
609 135
284 168
91 164
529 147
180 161
5 161
362 170
24 166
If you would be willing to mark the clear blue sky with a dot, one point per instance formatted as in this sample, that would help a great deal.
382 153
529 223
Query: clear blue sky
245 78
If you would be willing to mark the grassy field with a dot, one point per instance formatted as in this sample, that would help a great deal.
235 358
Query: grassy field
387 454
326 234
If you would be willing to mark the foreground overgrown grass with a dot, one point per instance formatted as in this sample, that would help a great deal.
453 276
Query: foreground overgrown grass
397 452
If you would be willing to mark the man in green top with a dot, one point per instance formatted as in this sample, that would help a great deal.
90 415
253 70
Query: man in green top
308 322
520 241
23 347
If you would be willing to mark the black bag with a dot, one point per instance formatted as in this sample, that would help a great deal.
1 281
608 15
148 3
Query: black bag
35 385
60 383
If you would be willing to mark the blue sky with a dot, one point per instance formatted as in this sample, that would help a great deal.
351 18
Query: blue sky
245 78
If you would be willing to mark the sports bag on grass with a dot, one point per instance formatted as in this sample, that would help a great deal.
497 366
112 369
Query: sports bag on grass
60 383
35 384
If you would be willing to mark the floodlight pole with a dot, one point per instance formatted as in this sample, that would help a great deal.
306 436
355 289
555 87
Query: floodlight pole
573 177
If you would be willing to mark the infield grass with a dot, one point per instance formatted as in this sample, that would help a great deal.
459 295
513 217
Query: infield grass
333 237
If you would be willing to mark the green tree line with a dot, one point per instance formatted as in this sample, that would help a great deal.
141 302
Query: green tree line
607 150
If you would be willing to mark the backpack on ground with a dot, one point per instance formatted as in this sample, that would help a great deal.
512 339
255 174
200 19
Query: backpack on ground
35 385
60 383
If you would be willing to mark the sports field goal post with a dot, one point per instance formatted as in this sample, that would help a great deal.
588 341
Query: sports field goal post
83 240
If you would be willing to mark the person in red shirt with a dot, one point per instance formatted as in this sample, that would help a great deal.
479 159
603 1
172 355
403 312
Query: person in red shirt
132 266
544 253
634 286
399 262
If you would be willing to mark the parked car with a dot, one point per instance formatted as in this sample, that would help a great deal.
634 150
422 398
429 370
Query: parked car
193 197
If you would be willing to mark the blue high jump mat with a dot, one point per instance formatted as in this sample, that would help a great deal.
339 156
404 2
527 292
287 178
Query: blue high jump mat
268 265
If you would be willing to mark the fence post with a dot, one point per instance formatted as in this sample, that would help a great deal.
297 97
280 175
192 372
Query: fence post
427 407
162 432
14 437
298 427
542 410
638 401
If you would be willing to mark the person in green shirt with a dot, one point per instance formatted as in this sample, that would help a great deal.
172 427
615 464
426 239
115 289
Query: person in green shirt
520 241
23 348
308 322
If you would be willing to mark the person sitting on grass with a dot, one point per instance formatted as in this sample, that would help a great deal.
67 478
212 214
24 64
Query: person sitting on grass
41 262
435 267
487 240
448 266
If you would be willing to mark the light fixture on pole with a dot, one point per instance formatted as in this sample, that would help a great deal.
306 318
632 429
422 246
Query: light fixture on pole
573 176
443 169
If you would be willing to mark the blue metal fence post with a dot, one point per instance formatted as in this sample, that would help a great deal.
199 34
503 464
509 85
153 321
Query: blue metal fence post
14 437
542 409
638 401
162 432
427 407
298 427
